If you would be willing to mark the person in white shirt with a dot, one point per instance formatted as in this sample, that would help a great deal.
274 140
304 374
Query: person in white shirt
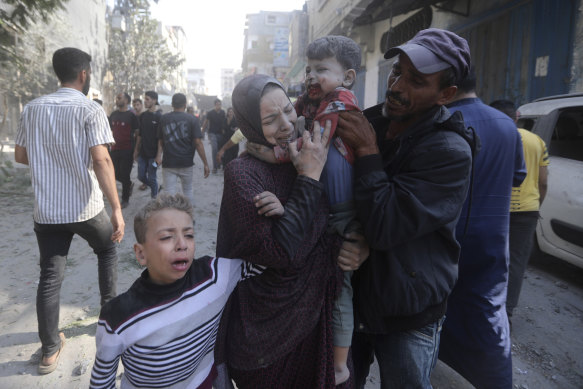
64 138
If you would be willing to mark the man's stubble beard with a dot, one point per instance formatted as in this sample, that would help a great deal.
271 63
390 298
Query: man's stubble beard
396 118
86 86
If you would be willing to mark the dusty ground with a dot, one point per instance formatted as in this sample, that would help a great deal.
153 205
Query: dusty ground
547 349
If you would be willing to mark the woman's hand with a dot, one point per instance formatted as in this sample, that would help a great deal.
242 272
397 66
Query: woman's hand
310 160
268 204
354 251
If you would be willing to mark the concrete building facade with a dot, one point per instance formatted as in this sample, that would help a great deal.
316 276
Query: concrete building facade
298 41
522 49
266 44
195 81
175 39
227 82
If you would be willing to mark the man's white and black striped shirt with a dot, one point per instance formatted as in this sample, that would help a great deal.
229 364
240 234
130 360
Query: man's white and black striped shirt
165 334
58 131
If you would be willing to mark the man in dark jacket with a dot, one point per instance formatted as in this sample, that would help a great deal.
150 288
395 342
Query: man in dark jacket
411 178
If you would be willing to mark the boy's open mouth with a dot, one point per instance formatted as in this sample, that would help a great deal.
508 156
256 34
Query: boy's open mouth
180 264
314 90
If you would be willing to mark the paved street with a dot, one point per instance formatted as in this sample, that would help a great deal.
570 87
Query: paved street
547 347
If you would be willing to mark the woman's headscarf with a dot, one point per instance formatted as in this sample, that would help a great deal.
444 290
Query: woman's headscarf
245 99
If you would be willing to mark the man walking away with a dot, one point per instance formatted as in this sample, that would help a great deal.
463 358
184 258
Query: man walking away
63 137
178 137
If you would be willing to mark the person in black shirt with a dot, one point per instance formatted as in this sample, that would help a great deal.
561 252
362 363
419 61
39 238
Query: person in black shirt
215 121
147 144
178 136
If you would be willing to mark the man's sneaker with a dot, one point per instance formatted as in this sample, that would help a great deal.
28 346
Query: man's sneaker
143 187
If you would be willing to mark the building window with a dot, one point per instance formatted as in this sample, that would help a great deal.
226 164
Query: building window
271 19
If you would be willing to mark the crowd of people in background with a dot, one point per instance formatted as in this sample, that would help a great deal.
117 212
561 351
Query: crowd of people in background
384 231
135 124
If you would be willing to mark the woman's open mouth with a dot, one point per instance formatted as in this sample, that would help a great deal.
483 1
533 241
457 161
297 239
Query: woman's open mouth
285 138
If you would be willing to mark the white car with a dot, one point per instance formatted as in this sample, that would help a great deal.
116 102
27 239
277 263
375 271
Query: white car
558 120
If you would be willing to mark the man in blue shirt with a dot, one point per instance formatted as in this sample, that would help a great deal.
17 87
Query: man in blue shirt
475 339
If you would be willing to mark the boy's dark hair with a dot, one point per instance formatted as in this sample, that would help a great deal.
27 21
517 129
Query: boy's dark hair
505 106
218 101
68 62
178 100
137 100
163 201
345 50
127 97
468 84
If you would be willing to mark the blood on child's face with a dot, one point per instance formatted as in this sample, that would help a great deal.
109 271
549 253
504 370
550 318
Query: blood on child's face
323 76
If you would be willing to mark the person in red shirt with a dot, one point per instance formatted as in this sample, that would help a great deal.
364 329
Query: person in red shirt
124 124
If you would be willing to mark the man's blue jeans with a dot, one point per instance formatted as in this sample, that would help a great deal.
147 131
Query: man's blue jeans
405 358
54 241
147 174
